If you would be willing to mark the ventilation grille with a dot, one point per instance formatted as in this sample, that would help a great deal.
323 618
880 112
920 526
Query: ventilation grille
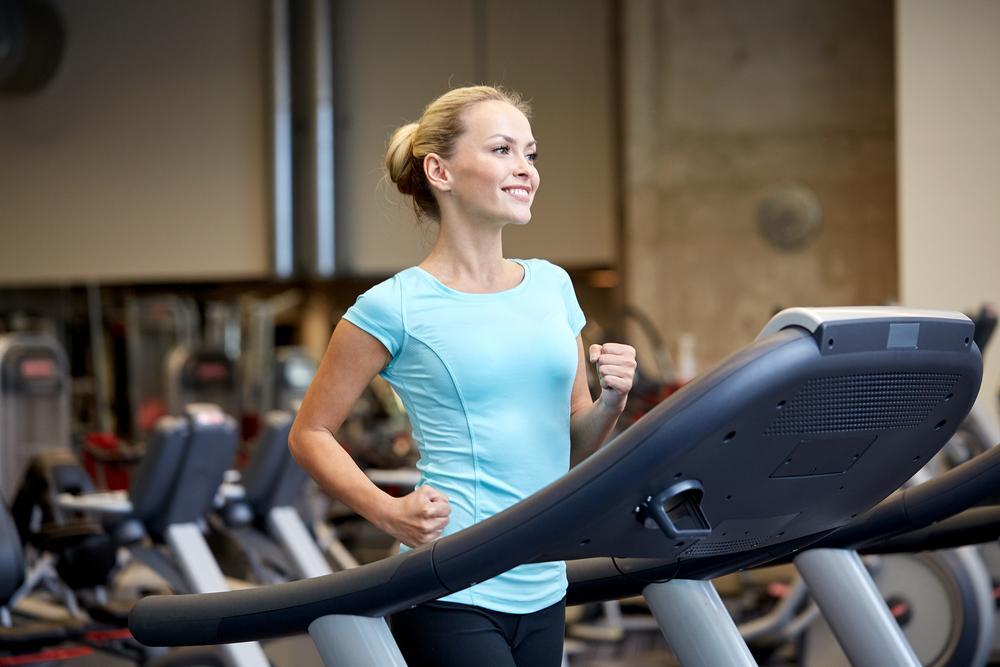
877 401
722 548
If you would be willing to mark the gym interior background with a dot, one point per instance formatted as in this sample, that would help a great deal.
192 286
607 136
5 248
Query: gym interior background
705 162
236 146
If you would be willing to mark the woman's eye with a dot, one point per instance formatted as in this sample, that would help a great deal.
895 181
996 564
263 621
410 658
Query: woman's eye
502 149
532 156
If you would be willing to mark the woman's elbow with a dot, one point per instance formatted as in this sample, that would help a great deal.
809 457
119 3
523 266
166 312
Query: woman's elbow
295 441
304 438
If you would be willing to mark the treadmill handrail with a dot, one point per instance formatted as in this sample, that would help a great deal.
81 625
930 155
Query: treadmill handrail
973 526
289 608
919 506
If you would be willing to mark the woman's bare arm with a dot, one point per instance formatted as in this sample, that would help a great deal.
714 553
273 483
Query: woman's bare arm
591 422
353 357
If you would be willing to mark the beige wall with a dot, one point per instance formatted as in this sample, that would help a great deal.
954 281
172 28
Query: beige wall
395 56
948 56
145 158
389 76
725 99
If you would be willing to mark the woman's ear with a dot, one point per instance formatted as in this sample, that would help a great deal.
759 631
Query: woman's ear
437 172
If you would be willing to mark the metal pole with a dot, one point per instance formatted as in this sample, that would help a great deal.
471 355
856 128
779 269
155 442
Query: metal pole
853 607
97 351
202 573
355 641
286 525
697 626
280 71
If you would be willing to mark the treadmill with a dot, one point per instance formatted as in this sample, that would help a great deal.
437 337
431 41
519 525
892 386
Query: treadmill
820 419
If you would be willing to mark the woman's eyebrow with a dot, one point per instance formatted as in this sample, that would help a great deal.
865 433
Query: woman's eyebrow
510 140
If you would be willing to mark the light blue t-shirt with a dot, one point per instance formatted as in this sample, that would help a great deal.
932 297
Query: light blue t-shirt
486 380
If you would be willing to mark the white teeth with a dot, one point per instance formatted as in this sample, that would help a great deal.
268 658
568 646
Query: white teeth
519 192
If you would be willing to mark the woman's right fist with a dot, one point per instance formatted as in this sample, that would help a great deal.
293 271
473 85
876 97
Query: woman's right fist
419 517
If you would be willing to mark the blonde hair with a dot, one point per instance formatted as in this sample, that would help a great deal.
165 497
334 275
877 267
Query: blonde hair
436 132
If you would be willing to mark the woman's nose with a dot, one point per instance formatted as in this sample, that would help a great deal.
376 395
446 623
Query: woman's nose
522 166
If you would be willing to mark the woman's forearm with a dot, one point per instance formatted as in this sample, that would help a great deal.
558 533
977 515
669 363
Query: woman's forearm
590 428
328 463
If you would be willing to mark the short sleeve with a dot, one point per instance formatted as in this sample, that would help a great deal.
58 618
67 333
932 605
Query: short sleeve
574 314
378 312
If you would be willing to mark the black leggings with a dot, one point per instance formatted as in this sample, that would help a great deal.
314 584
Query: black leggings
445 634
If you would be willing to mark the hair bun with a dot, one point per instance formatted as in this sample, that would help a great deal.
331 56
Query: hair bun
399 161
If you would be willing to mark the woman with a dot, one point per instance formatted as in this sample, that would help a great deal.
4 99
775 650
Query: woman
486 355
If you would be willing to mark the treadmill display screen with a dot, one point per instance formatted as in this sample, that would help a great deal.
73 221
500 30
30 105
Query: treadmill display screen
38 368
208 372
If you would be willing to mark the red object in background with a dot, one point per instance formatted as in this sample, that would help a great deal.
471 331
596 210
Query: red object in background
98 636
149 412
109 461
639 404
250 424
778 590
250 427
46 656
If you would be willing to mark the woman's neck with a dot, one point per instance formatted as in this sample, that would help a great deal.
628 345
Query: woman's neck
471 260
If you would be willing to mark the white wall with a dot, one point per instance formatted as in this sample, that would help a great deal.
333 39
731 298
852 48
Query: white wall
145 158
948 64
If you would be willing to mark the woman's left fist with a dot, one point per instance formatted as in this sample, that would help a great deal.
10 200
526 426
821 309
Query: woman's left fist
615 369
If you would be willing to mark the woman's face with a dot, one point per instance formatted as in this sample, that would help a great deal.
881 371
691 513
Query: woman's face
493 170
